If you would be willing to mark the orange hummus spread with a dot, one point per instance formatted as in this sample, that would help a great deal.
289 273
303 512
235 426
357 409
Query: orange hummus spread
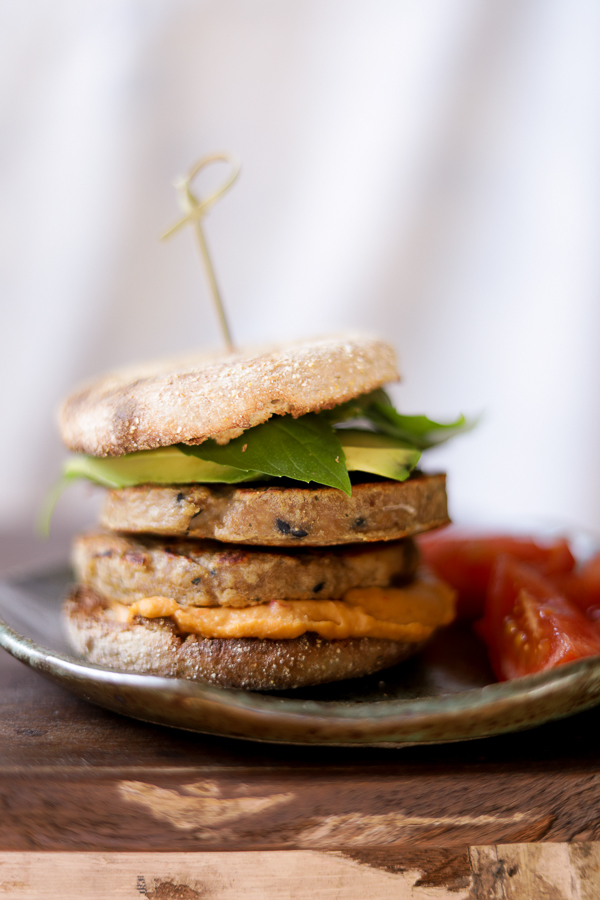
409 613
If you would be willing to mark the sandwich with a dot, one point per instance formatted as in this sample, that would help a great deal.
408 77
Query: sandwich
258 521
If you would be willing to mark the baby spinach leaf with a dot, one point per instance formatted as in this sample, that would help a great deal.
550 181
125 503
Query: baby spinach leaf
420 431
305 449
376 408
356 408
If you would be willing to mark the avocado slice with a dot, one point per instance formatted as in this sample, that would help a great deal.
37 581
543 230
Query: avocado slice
166 465
365 451
378 454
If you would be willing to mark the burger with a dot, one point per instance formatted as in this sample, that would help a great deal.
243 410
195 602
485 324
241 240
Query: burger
258 520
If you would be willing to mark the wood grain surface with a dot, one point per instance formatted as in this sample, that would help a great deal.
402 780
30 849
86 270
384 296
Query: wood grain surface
75 777
509 872
170 814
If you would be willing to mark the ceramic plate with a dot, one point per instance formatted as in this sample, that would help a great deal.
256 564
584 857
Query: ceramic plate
446 694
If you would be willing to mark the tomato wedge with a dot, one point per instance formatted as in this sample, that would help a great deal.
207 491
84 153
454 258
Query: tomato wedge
465 561
583 587
529 626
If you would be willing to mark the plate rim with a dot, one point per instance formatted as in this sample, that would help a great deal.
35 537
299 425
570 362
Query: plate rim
38 657
474 713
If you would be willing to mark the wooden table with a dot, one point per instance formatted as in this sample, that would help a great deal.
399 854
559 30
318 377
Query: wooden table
95 805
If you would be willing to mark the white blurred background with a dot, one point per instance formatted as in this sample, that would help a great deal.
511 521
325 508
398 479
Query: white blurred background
423 170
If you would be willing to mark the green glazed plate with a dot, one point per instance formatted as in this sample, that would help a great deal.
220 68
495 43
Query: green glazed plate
446 694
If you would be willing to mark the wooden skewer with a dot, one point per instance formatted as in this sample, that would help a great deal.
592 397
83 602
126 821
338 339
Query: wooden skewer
194 211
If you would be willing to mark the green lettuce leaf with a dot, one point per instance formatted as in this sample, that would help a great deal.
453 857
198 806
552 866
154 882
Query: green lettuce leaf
305 449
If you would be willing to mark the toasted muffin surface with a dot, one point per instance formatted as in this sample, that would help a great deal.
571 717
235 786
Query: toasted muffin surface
220 396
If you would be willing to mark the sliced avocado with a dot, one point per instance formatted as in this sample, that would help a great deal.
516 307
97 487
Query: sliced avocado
166 465
365 451
378 454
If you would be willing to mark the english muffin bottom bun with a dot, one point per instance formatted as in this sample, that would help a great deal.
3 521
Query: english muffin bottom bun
160 645
258 519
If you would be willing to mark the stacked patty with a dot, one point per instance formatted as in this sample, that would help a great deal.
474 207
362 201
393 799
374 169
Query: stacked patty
267 585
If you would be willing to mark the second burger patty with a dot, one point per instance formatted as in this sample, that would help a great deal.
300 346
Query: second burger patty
207 573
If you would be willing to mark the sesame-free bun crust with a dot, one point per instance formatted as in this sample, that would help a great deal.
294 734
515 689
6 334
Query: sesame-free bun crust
220 396
153 647
281 516
209 573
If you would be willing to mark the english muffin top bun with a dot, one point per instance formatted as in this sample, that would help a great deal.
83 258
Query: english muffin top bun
189 400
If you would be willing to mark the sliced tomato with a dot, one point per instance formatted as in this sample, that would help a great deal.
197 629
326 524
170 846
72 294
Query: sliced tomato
529 626
590 572
583 587
465 561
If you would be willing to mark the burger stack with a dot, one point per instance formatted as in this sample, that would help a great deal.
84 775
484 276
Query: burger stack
265 585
